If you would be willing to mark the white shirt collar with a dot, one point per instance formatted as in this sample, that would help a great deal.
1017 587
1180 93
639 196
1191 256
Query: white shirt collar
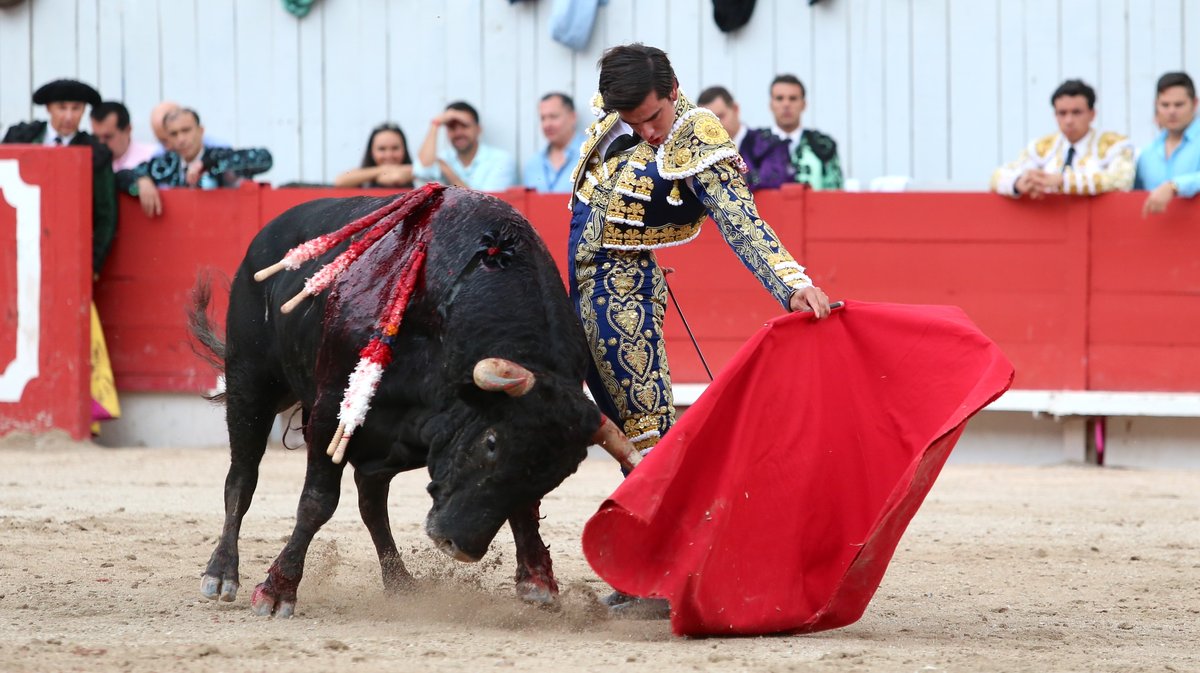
51 134
1081 146
794 136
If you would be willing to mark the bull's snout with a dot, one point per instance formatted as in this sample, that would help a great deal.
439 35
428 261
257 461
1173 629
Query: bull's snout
449 548
452 542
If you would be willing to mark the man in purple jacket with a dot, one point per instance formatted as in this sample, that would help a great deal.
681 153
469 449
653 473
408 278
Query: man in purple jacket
765 154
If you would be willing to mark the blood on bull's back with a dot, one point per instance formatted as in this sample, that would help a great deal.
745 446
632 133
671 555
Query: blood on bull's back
459 316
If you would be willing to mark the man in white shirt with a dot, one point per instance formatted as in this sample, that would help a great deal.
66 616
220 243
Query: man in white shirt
1076 160
471 163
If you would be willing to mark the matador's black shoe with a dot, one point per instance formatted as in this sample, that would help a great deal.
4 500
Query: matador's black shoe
624 606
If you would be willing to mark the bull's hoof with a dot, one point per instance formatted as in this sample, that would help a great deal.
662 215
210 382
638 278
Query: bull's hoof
263 604
536 593
214 588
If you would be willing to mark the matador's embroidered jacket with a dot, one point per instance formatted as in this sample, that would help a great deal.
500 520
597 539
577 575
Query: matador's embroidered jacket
658 197
1101 162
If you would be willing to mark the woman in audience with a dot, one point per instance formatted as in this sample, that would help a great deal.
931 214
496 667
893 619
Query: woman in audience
386 162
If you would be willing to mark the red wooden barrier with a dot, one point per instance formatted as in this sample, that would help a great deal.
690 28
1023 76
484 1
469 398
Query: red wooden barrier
1018 268
147 282
1055 282
45 289
1144 318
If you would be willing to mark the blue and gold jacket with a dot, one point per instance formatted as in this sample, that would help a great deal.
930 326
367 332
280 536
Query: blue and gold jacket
645 207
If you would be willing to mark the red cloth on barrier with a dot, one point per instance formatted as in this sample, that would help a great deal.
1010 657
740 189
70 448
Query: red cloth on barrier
777 500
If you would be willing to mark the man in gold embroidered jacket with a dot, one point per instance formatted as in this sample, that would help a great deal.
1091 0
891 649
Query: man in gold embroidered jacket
651 169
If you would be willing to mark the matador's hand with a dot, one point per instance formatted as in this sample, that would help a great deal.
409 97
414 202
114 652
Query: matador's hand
812 299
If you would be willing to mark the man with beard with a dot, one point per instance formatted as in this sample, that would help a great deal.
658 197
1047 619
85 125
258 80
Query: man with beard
471 163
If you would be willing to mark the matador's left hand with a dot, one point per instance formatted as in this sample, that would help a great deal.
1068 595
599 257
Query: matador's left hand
812 299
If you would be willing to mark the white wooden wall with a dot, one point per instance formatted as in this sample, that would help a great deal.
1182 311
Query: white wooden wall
940 90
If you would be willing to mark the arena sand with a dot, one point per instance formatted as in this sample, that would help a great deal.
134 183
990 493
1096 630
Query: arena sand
1065 568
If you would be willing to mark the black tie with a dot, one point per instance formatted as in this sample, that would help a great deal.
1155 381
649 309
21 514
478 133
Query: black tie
1070 158
57 140
622 143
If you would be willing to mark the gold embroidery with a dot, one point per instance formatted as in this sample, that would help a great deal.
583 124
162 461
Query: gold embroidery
755 242
1107 140
709 130
1043 144
642 154
638 358
629 320
696 143
650 237
633 211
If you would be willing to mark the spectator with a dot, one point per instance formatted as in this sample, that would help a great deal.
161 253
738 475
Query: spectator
189 163
1076 160
550 169
110 123
65 101
1170 166
765 155
158 116
814 154
385 163
471 164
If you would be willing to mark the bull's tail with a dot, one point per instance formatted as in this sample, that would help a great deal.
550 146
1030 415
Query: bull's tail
207 344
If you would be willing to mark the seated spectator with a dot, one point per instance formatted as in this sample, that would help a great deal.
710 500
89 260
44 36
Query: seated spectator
65 101
385 162
110 125
158 116
189 163
766 156
1076 160
813 154
470 163
1170 165
550 169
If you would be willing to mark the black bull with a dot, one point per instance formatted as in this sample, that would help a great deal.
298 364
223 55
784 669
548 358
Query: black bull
491 455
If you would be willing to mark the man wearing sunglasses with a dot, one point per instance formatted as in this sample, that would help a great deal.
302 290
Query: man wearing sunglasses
468 163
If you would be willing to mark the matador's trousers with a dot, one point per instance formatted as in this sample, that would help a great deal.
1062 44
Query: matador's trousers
621 299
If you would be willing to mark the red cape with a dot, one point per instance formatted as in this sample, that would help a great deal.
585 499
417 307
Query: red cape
777 500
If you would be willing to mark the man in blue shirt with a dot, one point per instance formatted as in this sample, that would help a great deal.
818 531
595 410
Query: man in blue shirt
1170 166
550 169
471 163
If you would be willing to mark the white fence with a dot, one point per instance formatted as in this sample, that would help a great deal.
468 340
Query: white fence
939 90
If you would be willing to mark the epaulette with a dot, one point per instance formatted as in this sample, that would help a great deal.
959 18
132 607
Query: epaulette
696 141
1108 140
1043 145
822 145
24 132
595 132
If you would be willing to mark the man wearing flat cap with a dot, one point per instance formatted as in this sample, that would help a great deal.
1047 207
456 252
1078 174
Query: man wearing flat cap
66 101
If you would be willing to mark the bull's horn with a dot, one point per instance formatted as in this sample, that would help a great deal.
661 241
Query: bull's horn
612 440
500 375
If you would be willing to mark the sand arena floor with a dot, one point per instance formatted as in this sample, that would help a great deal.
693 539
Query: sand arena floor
1065 568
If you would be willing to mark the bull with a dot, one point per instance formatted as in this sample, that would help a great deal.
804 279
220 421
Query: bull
484 388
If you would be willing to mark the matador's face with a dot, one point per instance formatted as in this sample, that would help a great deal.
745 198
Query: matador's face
654 117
